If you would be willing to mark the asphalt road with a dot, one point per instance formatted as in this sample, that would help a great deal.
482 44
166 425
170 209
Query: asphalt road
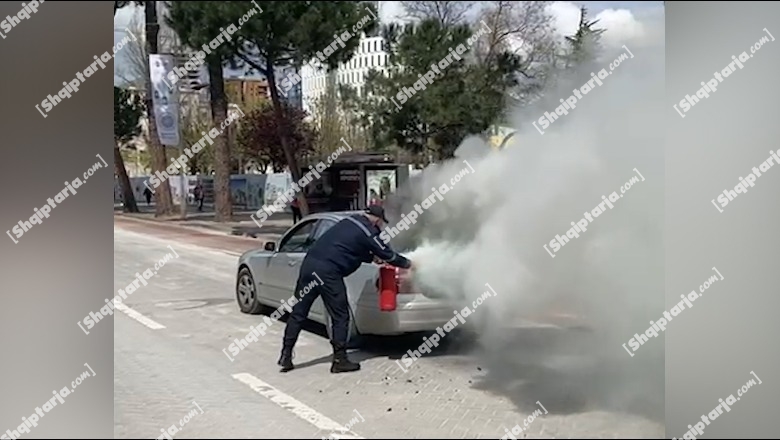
170 368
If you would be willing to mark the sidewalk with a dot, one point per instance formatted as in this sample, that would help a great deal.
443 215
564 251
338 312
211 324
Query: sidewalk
242 224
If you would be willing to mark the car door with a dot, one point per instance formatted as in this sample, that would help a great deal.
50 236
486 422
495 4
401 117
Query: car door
284 265
318 307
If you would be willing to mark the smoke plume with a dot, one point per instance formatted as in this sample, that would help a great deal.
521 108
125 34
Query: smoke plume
491 226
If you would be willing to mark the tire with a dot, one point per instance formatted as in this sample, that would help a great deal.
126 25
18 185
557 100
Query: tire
246 294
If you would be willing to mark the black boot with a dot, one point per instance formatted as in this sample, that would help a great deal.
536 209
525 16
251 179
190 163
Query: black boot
285 360
341 363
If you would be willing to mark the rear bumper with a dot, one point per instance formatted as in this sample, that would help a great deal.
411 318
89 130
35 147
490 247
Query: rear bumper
414 313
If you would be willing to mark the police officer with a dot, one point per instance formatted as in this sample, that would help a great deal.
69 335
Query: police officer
336 255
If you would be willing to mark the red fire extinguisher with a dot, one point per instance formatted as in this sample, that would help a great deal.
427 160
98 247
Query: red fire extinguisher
388 288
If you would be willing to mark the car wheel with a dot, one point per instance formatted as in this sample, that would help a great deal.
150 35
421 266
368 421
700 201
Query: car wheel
246 294
354 339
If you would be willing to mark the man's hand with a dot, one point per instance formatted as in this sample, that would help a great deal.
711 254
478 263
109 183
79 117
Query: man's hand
378 261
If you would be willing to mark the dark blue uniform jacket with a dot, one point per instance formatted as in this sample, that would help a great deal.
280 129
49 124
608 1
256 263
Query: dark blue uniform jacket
350 242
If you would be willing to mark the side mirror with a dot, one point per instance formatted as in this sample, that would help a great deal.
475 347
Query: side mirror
270 246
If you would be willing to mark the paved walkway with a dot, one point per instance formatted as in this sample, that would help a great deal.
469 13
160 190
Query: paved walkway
242 224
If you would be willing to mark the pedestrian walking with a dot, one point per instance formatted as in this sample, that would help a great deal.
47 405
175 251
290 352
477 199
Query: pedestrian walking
334 256
148 195
296 210
199 196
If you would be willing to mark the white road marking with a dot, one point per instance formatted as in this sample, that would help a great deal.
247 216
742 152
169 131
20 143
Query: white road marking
138 317
294 406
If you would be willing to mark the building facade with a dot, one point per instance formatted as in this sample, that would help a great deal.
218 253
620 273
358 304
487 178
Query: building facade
246 90
294 95
371 53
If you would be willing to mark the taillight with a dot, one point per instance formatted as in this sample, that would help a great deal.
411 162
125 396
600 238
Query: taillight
404 284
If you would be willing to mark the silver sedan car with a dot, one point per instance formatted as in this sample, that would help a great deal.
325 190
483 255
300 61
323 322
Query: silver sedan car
267 278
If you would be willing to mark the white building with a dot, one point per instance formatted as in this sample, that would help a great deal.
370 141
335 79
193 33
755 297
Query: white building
371 53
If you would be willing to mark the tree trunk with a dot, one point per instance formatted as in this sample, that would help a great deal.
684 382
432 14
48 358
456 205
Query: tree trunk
163 200
284 134
223 208
127 190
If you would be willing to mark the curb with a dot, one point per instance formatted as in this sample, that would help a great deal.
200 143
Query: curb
171 223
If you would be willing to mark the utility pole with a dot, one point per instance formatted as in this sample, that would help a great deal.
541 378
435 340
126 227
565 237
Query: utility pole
184 183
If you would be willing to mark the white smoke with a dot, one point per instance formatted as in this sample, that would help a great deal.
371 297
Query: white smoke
492 225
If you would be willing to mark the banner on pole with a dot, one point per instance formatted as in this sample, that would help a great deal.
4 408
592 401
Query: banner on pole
164 99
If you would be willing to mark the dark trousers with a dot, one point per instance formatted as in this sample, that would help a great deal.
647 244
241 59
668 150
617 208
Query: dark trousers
200 204
296 212
334 296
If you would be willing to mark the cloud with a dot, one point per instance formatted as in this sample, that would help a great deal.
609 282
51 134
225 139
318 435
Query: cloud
622 26
391 12
566 17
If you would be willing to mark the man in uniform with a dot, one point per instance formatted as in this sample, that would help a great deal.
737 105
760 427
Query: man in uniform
336 255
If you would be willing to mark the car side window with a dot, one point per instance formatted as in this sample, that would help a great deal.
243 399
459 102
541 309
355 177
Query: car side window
322 228
298 240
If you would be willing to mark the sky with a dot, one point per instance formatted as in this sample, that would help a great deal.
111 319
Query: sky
630 23
626 22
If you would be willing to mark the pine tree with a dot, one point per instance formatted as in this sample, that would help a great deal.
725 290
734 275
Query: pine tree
584 45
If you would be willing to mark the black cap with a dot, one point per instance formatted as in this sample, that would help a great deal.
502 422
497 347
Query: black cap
377 211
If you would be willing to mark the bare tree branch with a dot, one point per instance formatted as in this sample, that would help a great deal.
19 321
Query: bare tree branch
525 29
136 69
446 12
